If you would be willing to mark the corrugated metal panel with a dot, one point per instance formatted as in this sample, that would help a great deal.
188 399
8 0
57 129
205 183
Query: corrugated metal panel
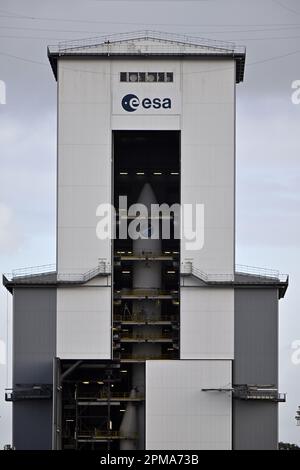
256 336
255 425
207 160
34 334
84 163
181 416
84 323
206 323
34 343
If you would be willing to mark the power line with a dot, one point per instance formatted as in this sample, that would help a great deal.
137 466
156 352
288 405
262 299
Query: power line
32 37
25 28
48 30
269 59
286 7
74 20
12 15
24 59
203 25
232 40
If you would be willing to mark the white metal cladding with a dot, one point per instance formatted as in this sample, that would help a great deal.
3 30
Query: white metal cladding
151 118
205 115
83 322
206 323
207 159
179 415
84 162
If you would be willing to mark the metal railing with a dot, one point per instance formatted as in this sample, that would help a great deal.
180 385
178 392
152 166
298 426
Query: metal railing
39 273
113 396
145 337
103 269
30 274
265 274
141 292
114 43
29 392
253 393
261 272
146 357
34 271
98 434
188 268
146 255
140 317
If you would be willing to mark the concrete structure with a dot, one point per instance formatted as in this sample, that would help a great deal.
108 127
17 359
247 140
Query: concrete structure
154 342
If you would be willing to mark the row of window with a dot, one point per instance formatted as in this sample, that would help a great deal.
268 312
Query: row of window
146 76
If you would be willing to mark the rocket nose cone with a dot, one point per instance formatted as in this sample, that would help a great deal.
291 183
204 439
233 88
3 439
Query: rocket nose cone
151 242
147 196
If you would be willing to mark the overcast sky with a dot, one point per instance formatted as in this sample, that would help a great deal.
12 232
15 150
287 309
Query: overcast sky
268 139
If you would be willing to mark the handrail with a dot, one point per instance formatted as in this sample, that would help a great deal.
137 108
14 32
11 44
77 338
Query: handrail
113 395
189 268
30 274
115 39
141 291
146 357
103 268
106 434
257 271
34 270
142 318
146 336
263 273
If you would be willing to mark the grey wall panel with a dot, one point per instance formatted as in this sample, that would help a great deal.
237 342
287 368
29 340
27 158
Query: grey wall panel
34 334
34 344
32 425
255 425
256 336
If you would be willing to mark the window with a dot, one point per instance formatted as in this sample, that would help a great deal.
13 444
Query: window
152 77
133 76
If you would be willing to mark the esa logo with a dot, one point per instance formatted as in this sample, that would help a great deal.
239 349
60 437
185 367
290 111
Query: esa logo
131 102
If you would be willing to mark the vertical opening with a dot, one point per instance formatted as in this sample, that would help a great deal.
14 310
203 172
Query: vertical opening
146 261
146 269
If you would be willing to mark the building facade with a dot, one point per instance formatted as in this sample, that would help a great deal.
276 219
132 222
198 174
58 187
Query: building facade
155 340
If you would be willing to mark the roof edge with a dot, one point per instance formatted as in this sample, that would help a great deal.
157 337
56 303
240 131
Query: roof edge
215 49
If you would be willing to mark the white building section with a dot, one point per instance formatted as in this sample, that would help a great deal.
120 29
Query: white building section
208 156
84 163
179 415
83 322
207 323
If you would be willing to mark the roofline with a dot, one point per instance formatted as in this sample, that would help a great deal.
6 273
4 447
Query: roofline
83 48
239 59
39 281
